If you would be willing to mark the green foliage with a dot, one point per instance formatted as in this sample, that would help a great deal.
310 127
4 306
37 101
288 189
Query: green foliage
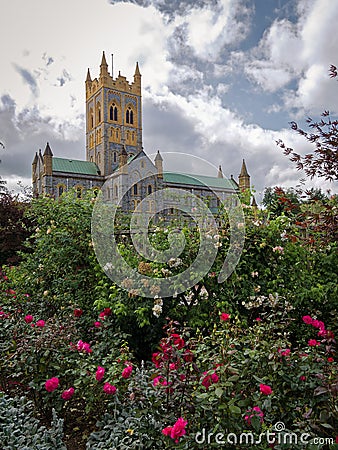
21 430
14 227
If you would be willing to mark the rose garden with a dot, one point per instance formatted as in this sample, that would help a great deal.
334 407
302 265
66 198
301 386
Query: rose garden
88 364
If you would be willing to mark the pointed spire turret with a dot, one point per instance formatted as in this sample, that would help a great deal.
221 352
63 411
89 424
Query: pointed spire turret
48 160
35 160
220 173
159 164
244 172
89 78
104 70
137 71
244 178
48 151
103 61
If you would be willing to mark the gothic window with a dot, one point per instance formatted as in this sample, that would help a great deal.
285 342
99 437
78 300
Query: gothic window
116 191
133 136
150 189
113 113
61 190
129 116
98 112
115 157
135 190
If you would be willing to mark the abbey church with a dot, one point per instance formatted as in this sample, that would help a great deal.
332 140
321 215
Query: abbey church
115 158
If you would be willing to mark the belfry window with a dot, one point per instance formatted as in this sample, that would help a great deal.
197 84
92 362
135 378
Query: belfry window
113 112
129 116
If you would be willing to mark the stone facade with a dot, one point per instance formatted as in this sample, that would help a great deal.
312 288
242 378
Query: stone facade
115 160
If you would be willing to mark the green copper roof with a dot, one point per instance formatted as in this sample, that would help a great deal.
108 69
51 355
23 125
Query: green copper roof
75 166
199 180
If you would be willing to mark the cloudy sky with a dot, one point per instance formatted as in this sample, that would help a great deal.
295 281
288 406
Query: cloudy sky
221 79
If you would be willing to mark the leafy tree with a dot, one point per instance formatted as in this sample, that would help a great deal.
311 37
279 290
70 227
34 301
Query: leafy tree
281 201
323 134
15 228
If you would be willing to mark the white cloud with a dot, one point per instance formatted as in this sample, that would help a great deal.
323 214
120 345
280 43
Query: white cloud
209 29
302 51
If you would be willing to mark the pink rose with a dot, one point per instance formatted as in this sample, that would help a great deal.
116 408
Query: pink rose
285 352
68 394
97 324
302 378
99 373
126 372
40 323
307 320
83 347
160 380
177 430
109 388
313 342
29 318
265 389
52 384
225 316
214 377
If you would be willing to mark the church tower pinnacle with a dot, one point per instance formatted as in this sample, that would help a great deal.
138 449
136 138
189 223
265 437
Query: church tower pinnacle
244 178
113 117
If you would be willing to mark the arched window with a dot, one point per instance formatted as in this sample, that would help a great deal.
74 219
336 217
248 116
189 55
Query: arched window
113 113
135 190
150 189
61 190
129 115
115 157
98 112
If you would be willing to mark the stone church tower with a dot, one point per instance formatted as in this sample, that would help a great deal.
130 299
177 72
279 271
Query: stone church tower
113 118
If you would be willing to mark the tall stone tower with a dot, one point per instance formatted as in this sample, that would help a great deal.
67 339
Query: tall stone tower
113 118
244 178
